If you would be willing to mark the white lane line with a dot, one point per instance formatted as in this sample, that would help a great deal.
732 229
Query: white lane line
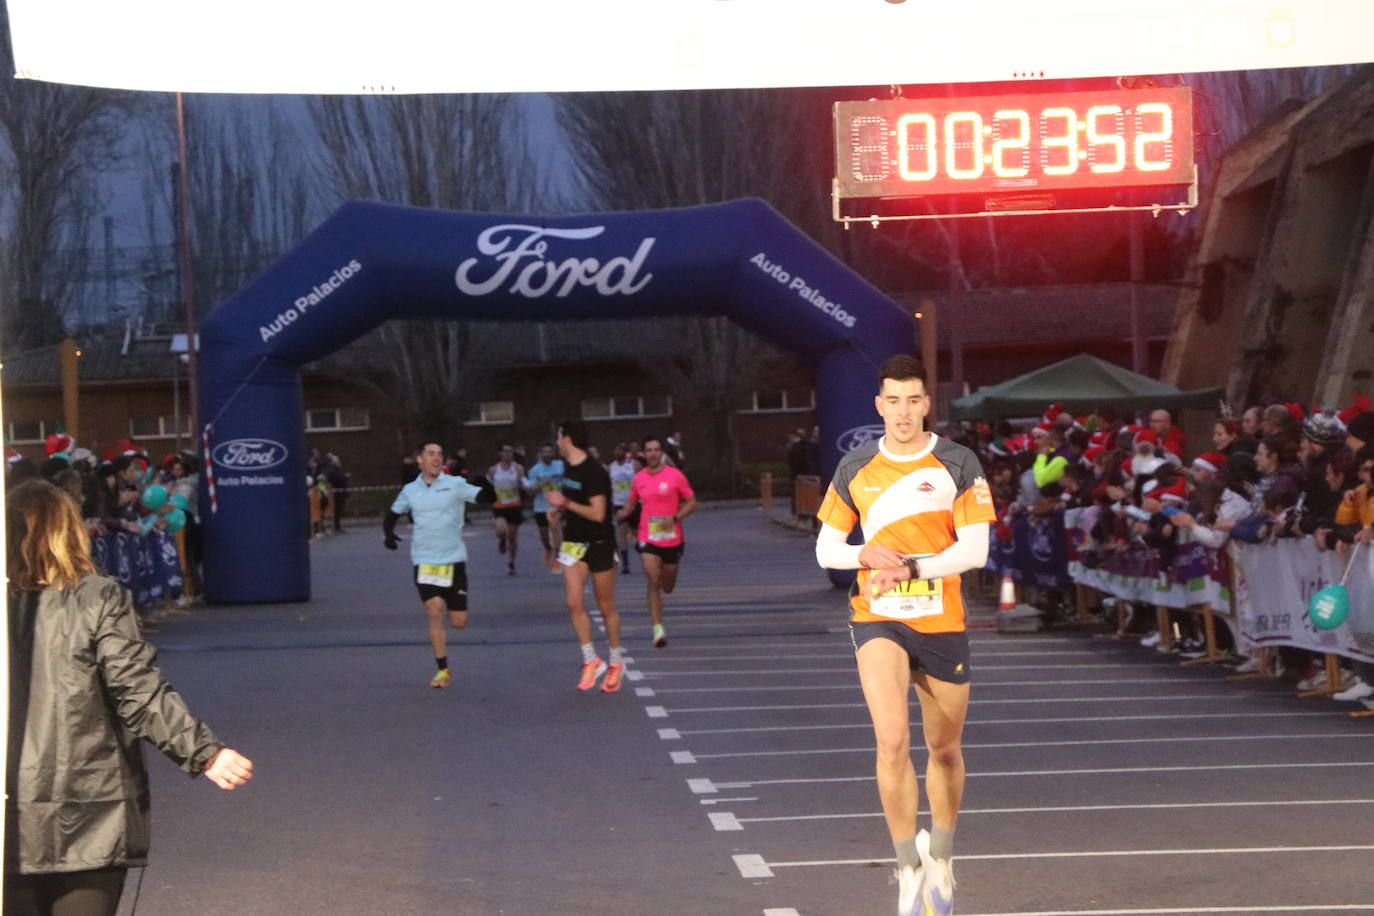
850 654
669 734
655 712
1038 721
868 749
854 685
731 618
780 911
753 866
745 784
1085 854
702 786
682 757
645 692
633 674
850 669
717 801
1134 699
1159 806
1168 911
722 821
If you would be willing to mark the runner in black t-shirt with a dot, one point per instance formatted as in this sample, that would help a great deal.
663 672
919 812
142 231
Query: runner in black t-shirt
588 548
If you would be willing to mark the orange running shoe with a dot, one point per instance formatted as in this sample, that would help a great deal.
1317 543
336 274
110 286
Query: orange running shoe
591 671
612 682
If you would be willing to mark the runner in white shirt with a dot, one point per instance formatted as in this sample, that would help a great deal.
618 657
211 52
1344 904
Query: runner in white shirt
508 510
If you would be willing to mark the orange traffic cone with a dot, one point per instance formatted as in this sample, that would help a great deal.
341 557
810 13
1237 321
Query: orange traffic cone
1007 599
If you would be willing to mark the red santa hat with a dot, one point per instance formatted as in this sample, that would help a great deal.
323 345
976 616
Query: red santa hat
1211 461
1359 405
59 442
1090 454
1145 434
1051 414
11 455
1100 439
1295 409
1175 492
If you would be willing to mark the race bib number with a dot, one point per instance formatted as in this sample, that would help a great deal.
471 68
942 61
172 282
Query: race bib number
662 528
440 574
507 495
571 552
911 599
622 487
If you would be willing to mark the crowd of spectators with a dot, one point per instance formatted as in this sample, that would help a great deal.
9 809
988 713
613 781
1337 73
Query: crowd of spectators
1279 471
140 513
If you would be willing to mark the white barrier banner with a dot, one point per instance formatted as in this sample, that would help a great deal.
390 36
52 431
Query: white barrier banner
1274 584
1194 578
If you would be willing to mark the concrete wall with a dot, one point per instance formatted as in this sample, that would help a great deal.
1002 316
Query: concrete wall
1278 305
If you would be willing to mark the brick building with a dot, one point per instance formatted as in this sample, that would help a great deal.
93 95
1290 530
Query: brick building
528 376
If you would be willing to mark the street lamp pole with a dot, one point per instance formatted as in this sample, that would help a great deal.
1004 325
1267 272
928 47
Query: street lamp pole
187 284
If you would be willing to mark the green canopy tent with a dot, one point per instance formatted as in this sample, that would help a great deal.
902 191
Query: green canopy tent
1080 382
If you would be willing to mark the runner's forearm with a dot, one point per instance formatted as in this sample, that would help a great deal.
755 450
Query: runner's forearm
833 550
970 551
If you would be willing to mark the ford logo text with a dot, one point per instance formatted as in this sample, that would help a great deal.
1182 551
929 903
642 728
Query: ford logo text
248 454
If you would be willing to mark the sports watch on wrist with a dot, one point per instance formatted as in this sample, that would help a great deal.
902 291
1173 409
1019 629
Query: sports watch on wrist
912 567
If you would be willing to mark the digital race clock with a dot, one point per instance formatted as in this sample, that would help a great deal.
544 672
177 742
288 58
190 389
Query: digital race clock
1014 144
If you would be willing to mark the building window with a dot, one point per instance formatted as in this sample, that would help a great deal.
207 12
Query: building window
336 419
158 427
780 401
491 413
626 406
29 431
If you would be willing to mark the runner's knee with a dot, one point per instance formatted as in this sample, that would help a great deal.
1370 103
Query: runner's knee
945 754
458 619
893 741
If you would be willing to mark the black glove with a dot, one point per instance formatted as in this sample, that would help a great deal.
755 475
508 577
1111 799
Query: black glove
389 538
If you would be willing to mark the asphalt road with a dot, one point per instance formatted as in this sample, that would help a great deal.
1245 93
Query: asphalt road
733 774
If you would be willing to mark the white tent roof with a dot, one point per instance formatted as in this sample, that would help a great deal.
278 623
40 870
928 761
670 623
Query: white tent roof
404 46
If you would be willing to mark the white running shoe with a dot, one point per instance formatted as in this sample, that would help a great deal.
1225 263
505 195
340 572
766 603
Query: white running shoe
1359 691
937 883
1150 641
908 891
1249 666
1315 682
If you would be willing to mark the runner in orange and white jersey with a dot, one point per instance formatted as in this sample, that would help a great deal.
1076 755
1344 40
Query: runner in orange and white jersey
924 508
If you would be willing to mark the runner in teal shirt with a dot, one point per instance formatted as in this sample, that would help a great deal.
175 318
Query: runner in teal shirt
546 475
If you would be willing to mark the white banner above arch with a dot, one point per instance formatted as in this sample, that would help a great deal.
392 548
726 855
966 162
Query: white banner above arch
410 46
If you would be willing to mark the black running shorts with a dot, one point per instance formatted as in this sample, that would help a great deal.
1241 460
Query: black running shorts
600 556
671 556
943 656
541 518
514 515
455 596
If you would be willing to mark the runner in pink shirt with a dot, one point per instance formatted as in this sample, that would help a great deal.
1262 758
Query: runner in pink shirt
666 499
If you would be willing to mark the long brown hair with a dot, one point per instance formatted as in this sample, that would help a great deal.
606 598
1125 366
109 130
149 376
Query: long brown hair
46 545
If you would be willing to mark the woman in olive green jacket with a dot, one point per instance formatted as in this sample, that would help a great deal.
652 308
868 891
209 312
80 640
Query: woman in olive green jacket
84 688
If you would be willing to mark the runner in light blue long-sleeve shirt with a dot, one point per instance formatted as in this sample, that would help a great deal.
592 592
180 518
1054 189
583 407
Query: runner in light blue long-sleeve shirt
437 504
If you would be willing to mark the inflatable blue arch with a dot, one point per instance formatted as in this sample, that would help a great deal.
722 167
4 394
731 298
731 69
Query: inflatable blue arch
370 262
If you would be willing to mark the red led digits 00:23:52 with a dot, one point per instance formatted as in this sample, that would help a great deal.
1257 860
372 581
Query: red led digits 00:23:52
1014 143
